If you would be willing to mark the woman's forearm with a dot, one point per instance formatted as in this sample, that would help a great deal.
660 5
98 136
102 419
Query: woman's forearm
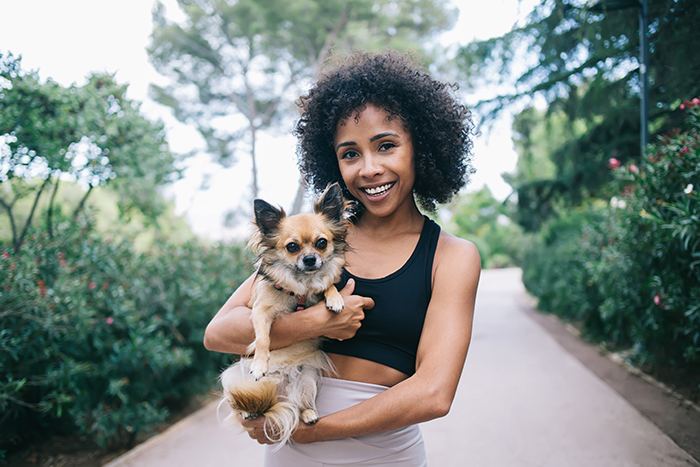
231 330
407 403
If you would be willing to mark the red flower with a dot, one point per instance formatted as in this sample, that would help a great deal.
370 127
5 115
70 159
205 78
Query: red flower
685 150
695 101
634 169
5 255
109 320
657 300
613 163
683 106
105 286
92 285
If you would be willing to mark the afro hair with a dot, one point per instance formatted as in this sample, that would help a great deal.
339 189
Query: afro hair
440 127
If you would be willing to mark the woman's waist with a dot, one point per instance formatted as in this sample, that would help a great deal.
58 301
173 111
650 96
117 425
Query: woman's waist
364 371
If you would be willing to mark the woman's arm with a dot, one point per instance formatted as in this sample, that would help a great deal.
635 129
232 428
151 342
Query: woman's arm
442 351
231 330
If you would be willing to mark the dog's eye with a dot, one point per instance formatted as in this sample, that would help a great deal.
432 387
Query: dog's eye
321 244
292 247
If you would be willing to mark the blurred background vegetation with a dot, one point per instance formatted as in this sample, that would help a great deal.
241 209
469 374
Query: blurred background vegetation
105 292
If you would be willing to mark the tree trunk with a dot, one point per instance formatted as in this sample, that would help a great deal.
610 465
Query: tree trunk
8 208
82 203
299 198
252 159
49 212
18 241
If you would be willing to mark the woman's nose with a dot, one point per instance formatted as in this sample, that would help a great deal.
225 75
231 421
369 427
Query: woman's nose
370 166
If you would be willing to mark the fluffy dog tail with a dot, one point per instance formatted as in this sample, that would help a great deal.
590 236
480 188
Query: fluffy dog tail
258 398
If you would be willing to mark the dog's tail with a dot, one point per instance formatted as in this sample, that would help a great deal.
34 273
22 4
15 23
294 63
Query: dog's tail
258 398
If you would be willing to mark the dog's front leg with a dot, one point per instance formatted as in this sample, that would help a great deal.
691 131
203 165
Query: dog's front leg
334 301
262 322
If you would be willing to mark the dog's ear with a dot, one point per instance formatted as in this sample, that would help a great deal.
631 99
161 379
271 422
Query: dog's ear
267 217
330 203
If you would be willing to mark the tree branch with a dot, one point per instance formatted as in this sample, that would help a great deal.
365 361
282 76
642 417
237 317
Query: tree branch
330 40
82 203
49 212
8 208
20 240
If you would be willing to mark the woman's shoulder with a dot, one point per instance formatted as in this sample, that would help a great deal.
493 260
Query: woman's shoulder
455 255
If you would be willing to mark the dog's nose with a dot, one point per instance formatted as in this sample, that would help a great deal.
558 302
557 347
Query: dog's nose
309 261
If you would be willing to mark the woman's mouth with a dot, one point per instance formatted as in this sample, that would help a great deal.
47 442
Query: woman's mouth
378 190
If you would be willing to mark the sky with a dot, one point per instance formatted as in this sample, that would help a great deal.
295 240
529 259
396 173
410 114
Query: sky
66 40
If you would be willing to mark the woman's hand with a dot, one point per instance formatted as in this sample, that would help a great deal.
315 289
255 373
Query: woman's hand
255 429
345 324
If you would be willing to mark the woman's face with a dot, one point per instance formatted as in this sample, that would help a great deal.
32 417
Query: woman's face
375 157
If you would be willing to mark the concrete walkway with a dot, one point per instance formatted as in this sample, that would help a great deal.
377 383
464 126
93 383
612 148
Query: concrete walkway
523 401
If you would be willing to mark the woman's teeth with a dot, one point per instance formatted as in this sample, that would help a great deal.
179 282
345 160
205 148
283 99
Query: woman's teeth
380 190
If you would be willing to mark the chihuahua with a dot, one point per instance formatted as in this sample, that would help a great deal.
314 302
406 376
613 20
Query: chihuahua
300 258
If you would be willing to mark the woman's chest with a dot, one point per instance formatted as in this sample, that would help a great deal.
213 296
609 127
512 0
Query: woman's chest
375 259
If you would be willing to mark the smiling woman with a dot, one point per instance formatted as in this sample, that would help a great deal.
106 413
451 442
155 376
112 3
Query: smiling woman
389 133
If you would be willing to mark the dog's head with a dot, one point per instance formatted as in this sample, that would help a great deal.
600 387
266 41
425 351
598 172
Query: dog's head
303 244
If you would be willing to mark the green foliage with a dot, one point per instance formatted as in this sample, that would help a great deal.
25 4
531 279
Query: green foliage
585 65
483 220
235 68
629 272
100 339
540 181
89 134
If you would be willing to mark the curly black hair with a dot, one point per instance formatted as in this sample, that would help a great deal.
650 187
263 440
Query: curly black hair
439 126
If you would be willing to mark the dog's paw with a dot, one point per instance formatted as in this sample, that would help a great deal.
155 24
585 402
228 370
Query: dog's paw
258 369
335 303
250 415
309 416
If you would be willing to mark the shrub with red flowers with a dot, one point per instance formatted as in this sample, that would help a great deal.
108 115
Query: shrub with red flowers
628 271
100 339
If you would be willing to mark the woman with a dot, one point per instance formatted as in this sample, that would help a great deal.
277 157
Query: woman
391 135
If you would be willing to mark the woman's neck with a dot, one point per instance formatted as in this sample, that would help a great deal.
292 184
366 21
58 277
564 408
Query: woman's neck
407 219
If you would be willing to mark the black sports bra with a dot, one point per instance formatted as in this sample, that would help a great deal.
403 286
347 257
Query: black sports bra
391 330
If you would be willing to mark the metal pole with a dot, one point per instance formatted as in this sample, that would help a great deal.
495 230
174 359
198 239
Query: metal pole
643 68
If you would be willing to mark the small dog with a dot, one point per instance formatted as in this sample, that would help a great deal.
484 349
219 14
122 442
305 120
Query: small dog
299 259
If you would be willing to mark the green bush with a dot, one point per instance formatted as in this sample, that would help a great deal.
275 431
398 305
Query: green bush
102 340
483 220
628 271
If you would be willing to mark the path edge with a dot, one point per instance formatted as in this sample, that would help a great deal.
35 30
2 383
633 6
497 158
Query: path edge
673 415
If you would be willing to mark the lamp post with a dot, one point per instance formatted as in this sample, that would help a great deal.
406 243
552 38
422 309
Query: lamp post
616 5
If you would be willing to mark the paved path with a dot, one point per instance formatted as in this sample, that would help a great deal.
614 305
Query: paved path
523 401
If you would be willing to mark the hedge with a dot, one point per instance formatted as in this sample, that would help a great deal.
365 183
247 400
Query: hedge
628 271
99 339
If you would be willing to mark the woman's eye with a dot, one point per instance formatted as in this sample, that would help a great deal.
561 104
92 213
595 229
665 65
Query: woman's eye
386 146
292 247
348 155
321 244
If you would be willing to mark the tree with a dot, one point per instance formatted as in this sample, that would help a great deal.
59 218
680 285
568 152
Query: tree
484 220
236 66
537 135
91 134
585 66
